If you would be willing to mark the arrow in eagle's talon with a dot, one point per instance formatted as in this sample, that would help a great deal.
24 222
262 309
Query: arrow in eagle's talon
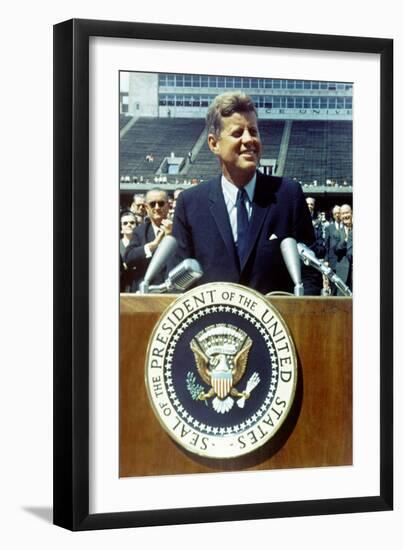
252 383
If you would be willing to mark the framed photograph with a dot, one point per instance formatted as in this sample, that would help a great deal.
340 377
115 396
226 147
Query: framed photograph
135 359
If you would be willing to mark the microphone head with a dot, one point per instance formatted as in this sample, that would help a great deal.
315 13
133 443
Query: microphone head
185 274
166 248
289 250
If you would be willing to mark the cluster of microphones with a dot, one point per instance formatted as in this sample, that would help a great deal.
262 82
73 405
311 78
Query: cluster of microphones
189 271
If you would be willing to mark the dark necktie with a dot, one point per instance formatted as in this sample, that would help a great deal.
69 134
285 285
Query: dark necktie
243 224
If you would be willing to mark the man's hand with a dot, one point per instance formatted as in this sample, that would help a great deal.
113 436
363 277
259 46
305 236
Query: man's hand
165 229
166 226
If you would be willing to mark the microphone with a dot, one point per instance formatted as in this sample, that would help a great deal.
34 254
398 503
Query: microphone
166 248
180 277
288 247
308 256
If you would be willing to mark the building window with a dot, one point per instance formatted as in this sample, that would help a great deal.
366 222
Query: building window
196 81
204 81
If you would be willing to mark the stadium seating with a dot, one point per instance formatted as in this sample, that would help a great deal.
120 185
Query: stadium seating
123 120
158 137
320 150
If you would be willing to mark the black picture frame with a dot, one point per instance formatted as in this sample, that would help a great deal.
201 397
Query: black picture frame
71 274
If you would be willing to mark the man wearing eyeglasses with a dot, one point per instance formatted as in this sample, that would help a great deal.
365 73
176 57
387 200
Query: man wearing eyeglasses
147 236
138 207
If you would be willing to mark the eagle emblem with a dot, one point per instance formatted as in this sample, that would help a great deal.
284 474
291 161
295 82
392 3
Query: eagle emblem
221 354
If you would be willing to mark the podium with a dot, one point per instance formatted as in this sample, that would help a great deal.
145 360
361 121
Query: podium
318 429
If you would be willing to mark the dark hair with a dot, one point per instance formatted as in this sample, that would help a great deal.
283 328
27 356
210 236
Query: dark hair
225 105
127 213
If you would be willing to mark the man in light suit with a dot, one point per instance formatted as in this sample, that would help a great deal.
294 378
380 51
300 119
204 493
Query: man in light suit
148 235
332 237
234 224
344 247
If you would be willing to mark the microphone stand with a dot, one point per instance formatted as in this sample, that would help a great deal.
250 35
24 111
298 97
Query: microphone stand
309 258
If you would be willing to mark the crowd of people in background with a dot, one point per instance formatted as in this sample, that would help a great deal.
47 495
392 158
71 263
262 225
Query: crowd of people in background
334 242
164 178
150 217
142 228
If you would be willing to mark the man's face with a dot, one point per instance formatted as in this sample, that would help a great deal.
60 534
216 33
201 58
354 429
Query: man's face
139 206
238 147
336 213
157 206
127 224
346 216
311 205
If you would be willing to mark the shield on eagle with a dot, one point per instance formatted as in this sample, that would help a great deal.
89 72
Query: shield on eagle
221 382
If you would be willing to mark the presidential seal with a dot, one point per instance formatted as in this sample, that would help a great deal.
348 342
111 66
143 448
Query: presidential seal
221 370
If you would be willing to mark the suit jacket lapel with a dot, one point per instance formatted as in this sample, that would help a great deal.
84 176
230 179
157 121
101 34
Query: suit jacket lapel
149 234
260 208
219 212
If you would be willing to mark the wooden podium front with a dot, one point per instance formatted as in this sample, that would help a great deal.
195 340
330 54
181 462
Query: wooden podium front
318 429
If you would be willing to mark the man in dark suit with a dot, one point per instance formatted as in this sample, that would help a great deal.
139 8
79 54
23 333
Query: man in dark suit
332 237
234 224
147 237
127 226
319 245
